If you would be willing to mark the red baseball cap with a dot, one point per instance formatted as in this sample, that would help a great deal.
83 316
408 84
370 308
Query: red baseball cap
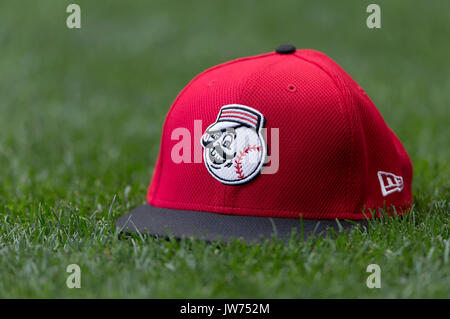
266 144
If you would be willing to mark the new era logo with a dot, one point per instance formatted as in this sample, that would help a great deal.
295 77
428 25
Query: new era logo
390 183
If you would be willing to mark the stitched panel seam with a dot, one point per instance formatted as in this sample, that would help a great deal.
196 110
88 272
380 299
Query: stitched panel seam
340 86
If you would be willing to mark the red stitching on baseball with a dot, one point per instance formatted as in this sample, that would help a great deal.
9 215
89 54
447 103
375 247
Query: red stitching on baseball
240 157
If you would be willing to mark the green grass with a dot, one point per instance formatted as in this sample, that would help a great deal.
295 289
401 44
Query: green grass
80 119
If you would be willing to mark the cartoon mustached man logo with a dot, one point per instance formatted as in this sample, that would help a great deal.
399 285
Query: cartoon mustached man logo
234 146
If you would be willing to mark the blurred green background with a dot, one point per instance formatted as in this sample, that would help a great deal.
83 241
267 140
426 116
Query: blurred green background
80 117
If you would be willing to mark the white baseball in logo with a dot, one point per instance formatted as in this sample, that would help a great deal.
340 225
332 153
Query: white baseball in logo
234 146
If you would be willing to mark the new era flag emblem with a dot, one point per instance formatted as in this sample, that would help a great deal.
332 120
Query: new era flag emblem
390 183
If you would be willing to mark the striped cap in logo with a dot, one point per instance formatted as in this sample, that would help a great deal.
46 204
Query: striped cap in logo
241 115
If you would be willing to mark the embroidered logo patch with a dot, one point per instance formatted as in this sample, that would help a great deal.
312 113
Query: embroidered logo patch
234 145
390 183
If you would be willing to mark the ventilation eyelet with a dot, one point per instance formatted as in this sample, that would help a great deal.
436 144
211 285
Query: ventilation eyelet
291 88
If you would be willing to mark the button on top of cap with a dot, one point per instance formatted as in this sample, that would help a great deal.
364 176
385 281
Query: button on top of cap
285 49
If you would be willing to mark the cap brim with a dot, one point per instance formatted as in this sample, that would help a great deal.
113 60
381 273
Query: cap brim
222 125
211 226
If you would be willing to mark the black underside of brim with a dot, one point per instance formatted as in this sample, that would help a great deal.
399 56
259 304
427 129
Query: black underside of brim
166 222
